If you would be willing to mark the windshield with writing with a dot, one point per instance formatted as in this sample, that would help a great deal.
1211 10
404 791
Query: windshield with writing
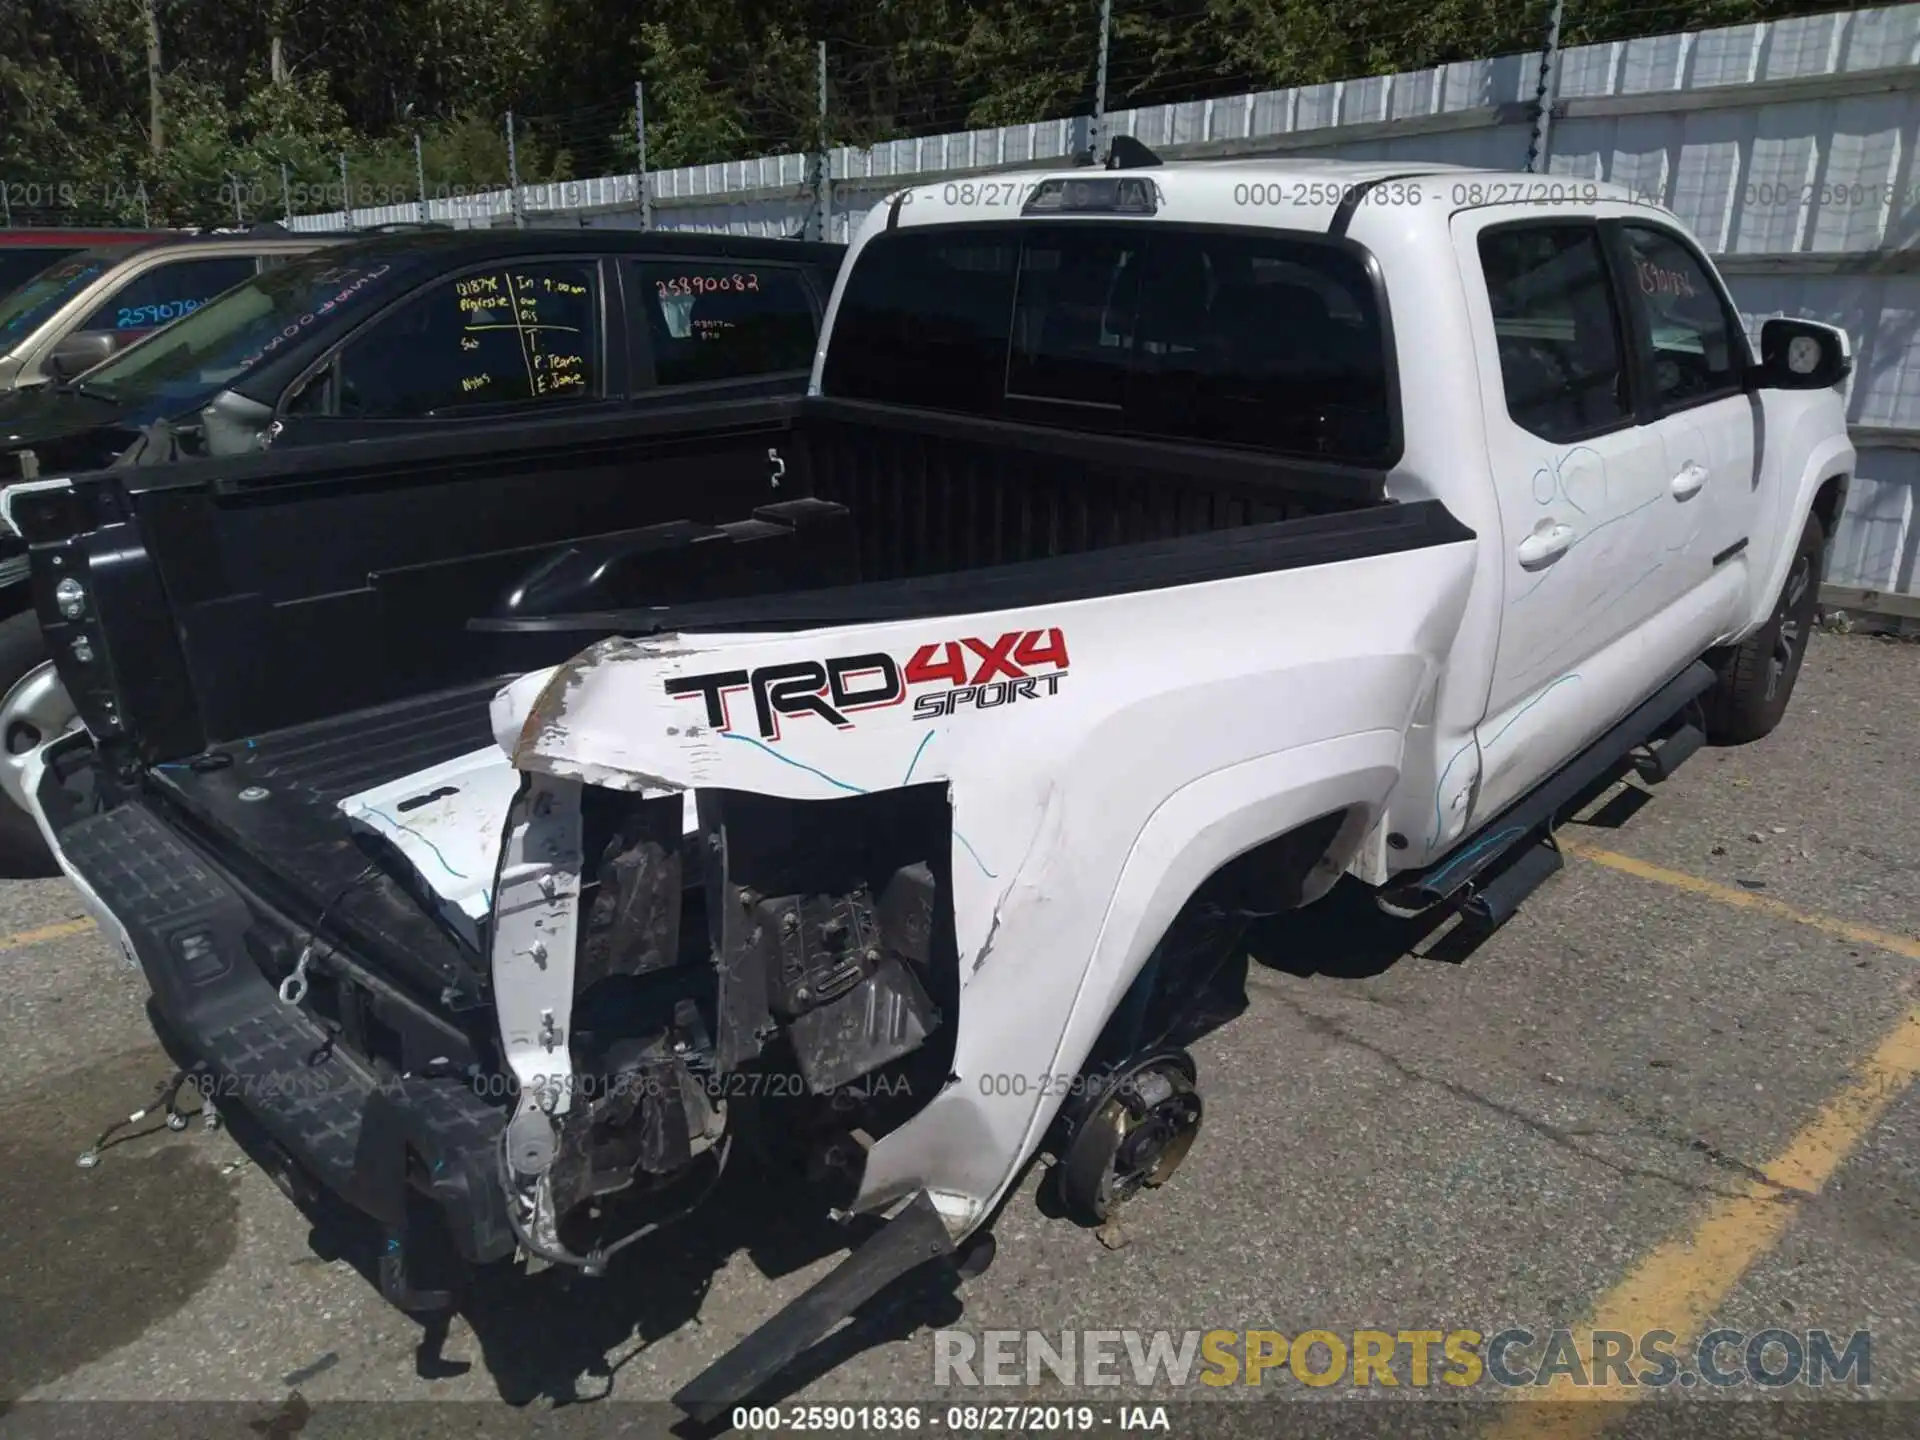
26 309
193 359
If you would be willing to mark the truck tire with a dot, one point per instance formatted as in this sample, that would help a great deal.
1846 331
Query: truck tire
22 650
1757 679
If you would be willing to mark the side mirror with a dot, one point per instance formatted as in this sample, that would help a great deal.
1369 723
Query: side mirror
79 353
1802 355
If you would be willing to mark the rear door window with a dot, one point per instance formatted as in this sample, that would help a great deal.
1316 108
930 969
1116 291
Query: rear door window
511 334
1267 341
710 322
1562 363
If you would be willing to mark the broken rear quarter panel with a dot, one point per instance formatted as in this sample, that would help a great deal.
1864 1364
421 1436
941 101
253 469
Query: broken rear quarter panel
1173 726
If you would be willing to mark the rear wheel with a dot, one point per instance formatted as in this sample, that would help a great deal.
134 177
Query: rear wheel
35 710
1757 680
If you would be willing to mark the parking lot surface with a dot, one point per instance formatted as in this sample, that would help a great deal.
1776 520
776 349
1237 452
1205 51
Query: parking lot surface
1673 1093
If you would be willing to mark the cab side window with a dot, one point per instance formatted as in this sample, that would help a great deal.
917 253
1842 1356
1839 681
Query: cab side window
508 334
163 294
1699 350
1562 363
725 322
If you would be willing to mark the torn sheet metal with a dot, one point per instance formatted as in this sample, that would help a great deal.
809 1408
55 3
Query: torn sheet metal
446 822
1101 758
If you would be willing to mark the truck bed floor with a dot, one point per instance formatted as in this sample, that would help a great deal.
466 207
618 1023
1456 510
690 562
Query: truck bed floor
271 814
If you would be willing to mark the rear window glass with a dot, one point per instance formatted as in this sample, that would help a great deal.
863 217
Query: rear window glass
725 322
1266 341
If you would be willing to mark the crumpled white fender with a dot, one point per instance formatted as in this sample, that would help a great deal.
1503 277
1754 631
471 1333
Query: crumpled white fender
1101 758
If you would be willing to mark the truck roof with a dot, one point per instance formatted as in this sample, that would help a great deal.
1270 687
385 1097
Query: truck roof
1291 193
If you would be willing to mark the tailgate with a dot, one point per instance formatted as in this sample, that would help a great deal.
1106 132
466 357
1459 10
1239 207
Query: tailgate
268 806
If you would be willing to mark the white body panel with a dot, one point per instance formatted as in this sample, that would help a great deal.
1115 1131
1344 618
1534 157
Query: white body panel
446 822
1182 733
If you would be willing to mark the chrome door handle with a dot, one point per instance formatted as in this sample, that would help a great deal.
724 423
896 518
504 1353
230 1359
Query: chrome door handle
1545 545
1687 483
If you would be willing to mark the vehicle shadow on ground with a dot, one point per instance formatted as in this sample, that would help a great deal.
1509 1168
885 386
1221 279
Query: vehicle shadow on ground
1346 936
560 1338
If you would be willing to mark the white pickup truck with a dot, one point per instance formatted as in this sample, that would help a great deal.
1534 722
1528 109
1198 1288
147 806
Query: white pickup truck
1213 531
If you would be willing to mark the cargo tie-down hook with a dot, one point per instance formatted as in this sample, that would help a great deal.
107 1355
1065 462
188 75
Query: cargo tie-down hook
293 989
779 465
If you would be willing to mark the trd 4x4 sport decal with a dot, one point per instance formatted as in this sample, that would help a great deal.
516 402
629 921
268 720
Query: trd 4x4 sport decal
971 673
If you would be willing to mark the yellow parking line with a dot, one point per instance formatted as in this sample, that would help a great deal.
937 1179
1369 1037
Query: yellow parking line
1681 1283
1743 899
46 932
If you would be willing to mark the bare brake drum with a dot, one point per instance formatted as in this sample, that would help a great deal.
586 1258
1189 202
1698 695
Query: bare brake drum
1132 1135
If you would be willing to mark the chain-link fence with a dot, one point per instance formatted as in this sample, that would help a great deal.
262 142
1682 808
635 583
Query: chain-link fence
999 63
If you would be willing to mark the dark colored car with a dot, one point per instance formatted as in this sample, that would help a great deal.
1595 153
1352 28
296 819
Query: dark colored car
426 330
411 335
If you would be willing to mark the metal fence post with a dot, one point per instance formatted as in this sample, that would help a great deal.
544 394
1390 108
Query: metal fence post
822 162
346 193
420 174
1099 136
644 189
1547 95
513 176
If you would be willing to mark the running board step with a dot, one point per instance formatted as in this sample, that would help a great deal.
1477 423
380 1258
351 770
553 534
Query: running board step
1663 759
912 1238
1494 903
1534 811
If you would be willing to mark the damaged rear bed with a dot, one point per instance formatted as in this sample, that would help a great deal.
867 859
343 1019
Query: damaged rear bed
888 803
874 788
761 865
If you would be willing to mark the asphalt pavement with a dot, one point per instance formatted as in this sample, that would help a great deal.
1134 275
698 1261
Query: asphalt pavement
1673 1093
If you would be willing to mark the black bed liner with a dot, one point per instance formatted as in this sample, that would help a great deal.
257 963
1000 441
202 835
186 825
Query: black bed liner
302 845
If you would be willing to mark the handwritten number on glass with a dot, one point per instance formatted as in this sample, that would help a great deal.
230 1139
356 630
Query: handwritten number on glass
739 283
